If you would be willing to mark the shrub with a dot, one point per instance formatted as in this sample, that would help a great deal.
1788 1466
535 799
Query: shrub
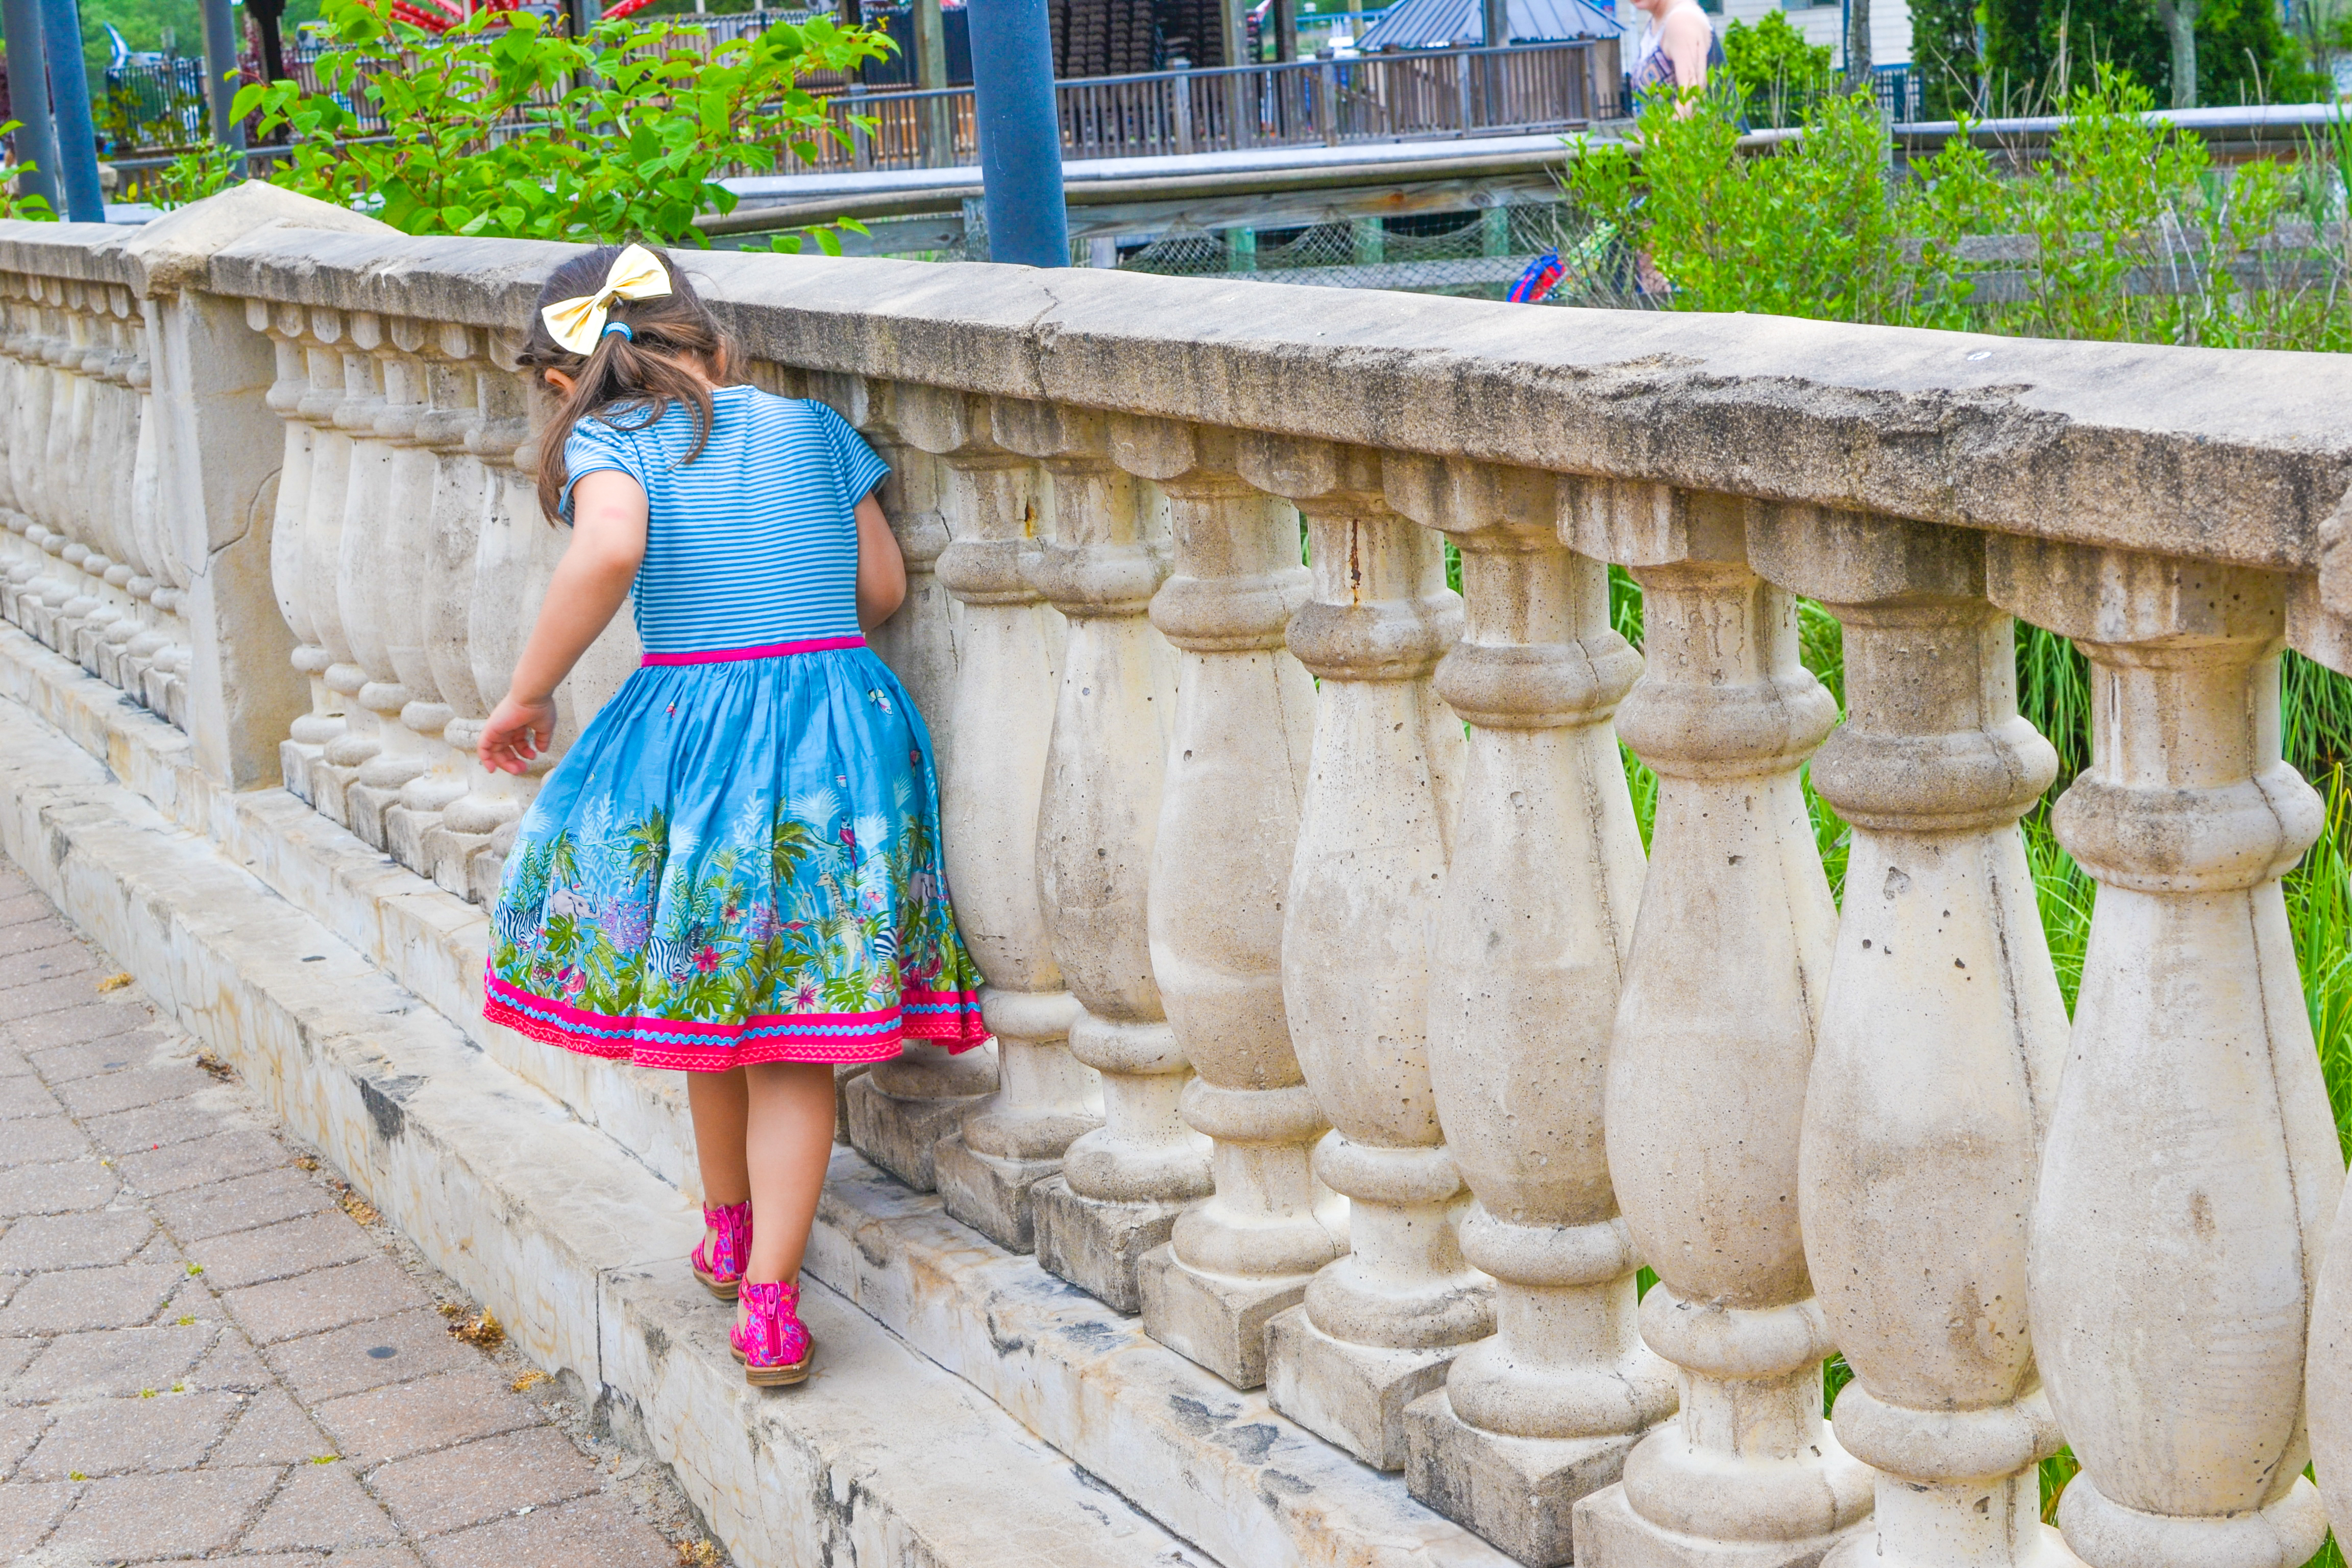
1777 73
13 204
504 126
1819 228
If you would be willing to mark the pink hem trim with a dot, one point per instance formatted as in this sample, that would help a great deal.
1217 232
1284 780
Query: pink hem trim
595 1034
766 650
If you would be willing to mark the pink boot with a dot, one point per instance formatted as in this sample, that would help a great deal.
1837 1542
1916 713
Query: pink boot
718 1259
771 1340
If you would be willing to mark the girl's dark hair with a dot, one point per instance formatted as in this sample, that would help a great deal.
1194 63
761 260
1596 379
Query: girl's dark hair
638 372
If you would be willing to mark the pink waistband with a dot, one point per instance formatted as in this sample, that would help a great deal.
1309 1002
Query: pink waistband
766 650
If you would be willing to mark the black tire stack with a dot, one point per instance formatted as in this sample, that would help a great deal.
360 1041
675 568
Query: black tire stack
1112 37
1200 25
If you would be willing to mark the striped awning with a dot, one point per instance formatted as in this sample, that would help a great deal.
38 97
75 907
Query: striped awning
1441 24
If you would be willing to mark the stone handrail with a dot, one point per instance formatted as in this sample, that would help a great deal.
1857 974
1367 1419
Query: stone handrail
1257 941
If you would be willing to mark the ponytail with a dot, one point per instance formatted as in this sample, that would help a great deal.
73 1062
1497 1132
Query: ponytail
639 367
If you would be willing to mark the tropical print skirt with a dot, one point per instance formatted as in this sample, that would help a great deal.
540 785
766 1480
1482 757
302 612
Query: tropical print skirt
737 862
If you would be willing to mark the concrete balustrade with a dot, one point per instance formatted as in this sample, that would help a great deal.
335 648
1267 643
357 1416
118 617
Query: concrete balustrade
1711 1053
1343 1029
896 1111
1376 1327
1530 953
87 569
1940 1044
2191 1160
989 802
1123 1183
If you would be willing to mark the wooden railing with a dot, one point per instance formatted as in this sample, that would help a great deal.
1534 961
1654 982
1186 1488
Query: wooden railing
1367 913
1423 95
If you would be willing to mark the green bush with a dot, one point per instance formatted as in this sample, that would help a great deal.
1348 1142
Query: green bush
1780 75
505 127
1819 228
2037 52
11 204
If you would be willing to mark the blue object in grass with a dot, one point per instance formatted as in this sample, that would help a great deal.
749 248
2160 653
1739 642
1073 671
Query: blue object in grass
1536 284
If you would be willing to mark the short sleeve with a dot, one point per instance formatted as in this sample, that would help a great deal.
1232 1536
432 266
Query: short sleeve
594 445
861 470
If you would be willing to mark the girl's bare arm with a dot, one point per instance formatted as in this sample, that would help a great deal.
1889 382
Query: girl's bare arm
608 542
881 569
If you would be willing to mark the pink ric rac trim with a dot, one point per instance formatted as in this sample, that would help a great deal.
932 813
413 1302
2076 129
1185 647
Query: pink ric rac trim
765 650
837 1037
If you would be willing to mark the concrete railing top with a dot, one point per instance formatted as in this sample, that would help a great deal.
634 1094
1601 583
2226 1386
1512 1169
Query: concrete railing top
2229 456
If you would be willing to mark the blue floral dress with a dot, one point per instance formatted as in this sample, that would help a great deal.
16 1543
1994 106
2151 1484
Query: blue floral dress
739 861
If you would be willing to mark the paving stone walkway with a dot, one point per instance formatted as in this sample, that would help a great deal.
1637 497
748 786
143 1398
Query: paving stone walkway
210 1350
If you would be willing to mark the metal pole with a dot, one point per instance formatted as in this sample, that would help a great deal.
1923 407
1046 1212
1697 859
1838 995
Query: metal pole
28 99
1495 29
220 73
933 128
1020 132
70 100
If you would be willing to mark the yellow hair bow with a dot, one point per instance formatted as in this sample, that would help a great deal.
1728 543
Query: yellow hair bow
637 274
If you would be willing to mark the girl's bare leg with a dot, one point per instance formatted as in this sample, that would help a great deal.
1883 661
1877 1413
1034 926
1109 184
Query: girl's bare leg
722 1104
789 1146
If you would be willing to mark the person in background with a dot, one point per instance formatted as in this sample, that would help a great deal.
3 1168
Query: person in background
1679 50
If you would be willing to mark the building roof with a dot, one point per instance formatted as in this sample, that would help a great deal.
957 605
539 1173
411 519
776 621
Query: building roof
1437 24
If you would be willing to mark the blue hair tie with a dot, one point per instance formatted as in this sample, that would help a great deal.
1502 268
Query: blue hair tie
620 327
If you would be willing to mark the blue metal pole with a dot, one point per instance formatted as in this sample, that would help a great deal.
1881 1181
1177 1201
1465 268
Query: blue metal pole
1020 132
28 99
220 73
70 96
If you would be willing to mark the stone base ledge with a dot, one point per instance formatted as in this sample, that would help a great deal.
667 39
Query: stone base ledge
386 1027
883 1461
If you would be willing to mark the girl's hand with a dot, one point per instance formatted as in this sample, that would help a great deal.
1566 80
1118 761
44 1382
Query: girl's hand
516 733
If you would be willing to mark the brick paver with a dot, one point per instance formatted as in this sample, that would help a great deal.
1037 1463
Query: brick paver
203 1359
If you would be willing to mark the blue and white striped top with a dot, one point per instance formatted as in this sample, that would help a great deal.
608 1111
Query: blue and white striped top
755 542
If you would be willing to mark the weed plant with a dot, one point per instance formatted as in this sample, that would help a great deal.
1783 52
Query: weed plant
2122 230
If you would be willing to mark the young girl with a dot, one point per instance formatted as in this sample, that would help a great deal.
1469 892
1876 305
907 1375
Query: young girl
736 870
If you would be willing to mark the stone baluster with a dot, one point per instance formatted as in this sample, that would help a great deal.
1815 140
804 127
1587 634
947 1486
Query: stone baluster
32 396
990 801
56 413
48 591
68 432
1707 1063
2192 1166
14 338
919 642
1531 940
516 556
16 550
108 477
138 577
73 448
1219 875
387 567
896 1113
1122 1184
1939 1047
343 399
380 418
298 400
1378 1328
440 669
485 584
